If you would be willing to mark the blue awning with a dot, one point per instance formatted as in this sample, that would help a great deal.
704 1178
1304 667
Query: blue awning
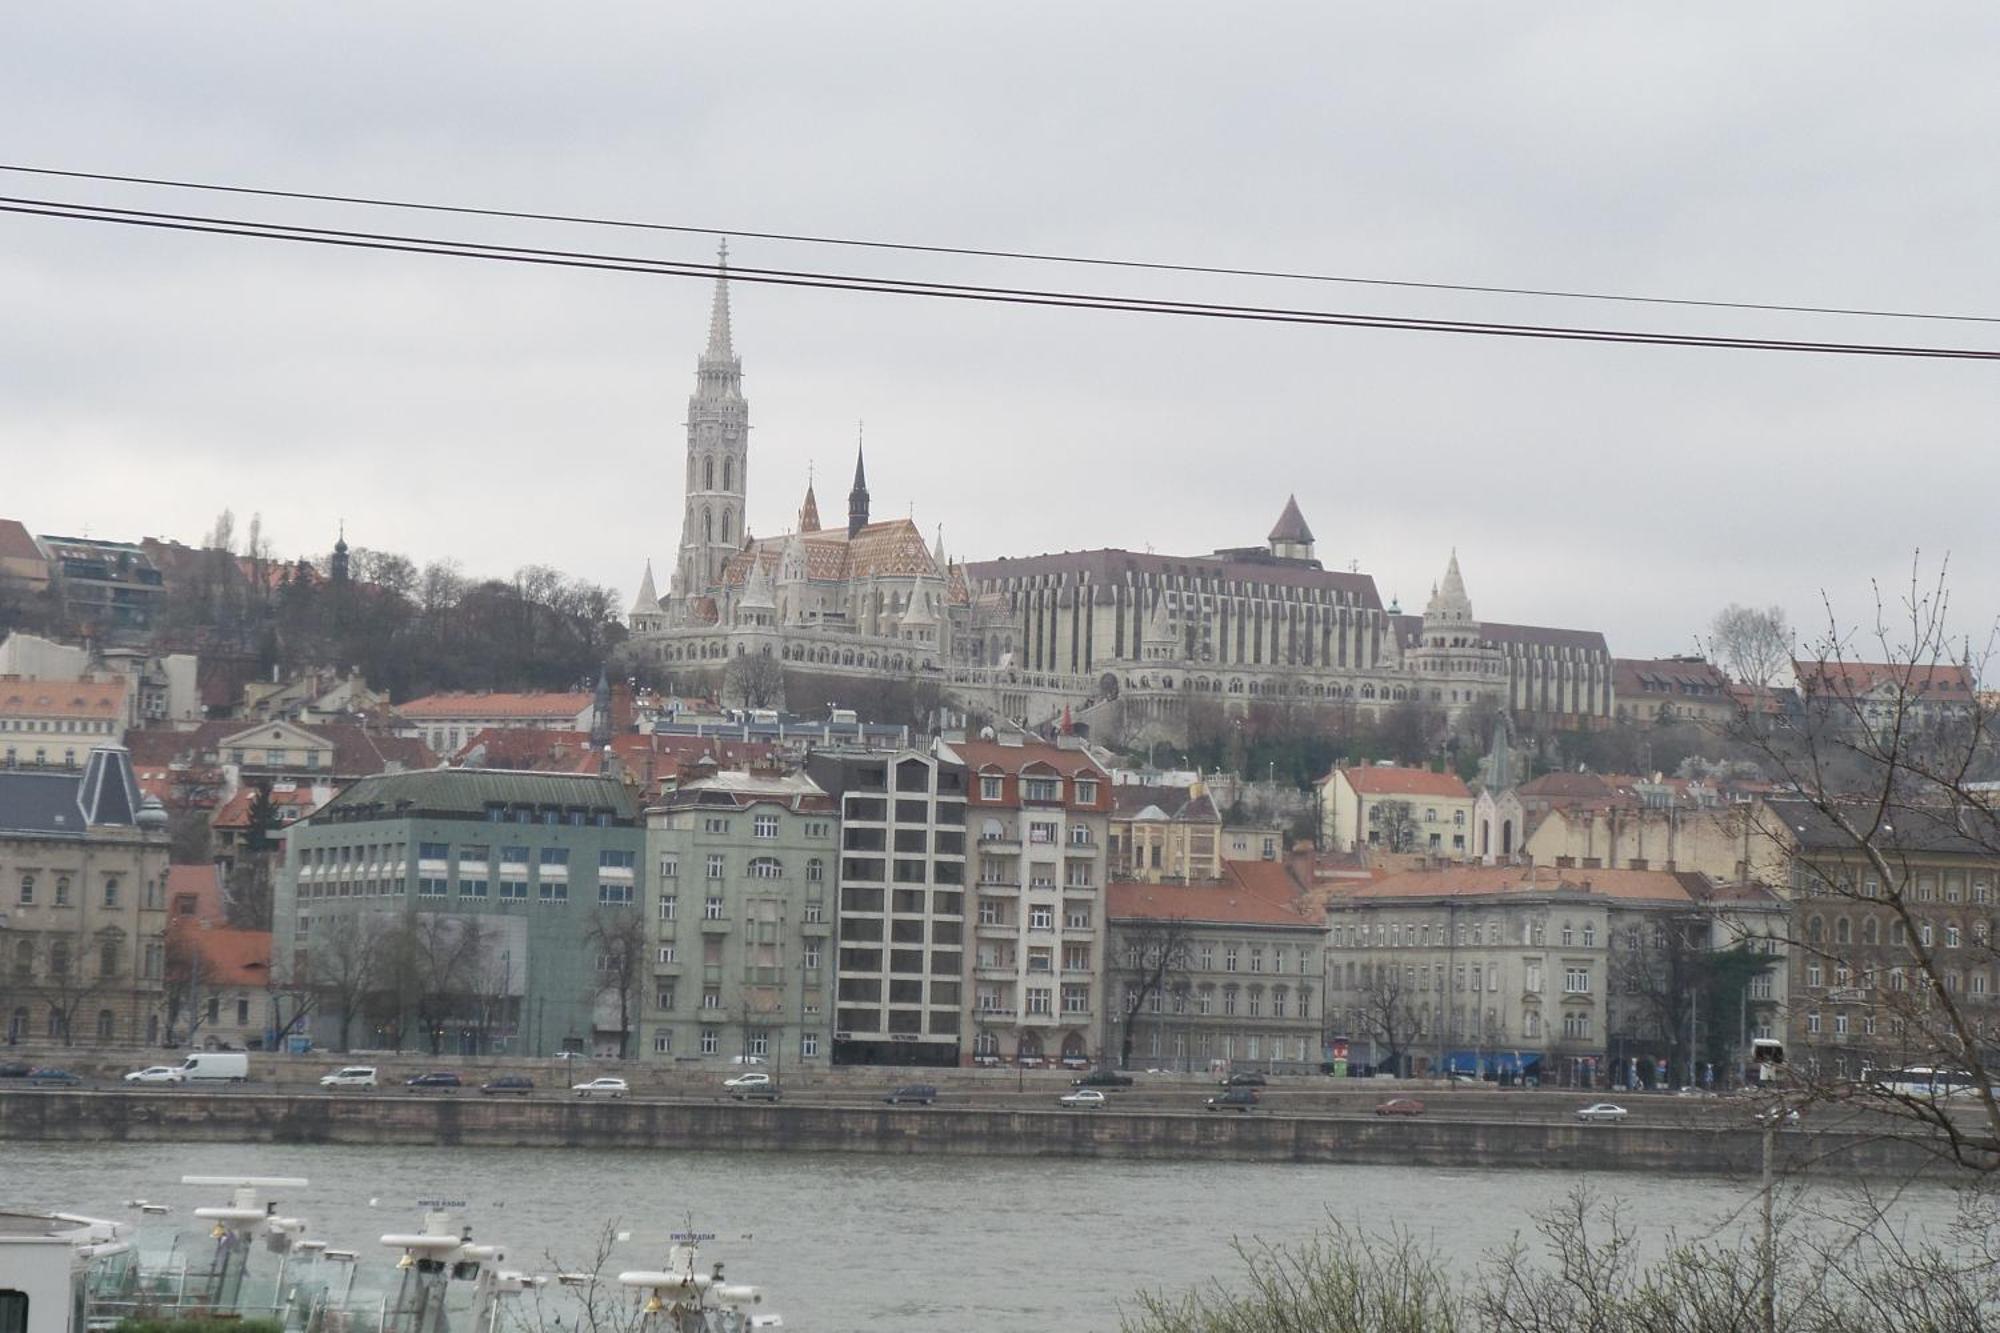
1492 1062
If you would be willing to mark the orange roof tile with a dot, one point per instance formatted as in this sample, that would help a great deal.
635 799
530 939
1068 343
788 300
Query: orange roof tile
228 957
1225 904
203 883
1405 782
981 755
1941 681
16 543
62 698
465 703
1479 881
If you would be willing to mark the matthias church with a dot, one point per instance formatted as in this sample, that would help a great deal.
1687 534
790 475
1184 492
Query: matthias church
1109 637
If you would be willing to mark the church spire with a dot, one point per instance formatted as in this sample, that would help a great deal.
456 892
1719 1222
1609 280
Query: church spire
857 499
809 511
719 347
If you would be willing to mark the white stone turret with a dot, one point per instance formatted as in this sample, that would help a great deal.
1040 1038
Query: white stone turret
645 614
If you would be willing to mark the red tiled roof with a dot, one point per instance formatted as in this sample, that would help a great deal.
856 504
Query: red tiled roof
983 755
1942 681
1405 782
1270 880
228 957
357 752
893 548
1224 904
16 542
62 698
479 705
1471 881
291 803
203 883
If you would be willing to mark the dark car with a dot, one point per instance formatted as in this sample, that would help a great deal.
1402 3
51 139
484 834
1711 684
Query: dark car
1103 1078
53 1077
756 1092
13 1069
1234 1099
922 1093
518 1084
1244 1081
1400 1106
437 1079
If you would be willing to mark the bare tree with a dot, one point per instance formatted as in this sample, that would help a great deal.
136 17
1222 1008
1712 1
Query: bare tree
1156 961
1671 988
757 679
1395 824
344 962
1388 1013
618 937
186 981
1889 818
1753 645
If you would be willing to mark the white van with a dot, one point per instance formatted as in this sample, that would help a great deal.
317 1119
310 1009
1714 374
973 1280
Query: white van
216 1067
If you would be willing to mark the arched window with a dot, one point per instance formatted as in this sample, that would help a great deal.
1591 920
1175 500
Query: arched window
24 958
766 867
815 872
728 474
708 472
107 1025
707 524
59 958
728 523
1869 931
107 959
1815 930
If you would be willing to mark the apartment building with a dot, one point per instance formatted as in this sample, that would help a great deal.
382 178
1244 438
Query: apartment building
1394 809
1527 970
741 954
1242 974
83 865
1039 813
901 924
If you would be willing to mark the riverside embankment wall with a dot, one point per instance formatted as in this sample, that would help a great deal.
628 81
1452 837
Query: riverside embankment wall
244 1117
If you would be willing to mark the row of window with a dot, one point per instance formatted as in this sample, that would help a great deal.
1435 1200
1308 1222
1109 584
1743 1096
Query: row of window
59 891
1950 886
62 956
71 725
1039 789
1201 1001
757 1043
716 866
1202 956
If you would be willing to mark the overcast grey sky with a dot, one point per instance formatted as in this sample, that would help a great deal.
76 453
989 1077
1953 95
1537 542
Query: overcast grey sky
497 414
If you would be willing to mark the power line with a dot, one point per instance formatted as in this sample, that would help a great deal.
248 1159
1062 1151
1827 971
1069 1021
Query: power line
912 247
235 227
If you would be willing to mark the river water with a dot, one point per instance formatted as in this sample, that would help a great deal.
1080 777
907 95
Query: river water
885 1244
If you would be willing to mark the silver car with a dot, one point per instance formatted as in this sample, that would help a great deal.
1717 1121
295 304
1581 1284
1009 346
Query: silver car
1601 1111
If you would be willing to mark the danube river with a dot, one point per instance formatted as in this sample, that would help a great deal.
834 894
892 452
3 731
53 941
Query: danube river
889 1243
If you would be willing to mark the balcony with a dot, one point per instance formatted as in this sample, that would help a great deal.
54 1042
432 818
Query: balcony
672 969
1071 932
993 971
993 1014
1006 842
715 925
997 930
820 928
995 886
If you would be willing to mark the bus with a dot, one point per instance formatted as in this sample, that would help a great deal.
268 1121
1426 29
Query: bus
1918 1081
1766 1055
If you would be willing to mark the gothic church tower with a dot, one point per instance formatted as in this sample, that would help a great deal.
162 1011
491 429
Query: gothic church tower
718 435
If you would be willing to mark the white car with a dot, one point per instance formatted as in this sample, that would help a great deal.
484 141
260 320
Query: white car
354 1076
1601 1111
1088 1099
748 1081
601 1087
157 1074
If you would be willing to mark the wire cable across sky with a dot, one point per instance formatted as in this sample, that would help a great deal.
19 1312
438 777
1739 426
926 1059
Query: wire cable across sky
240 228
912 247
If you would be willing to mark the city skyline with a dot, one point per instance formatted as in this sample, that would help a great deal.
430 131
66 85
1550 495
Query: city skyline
439 408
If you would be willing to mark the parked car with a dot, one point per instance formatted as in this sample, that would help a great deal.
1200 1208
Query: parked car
1778 1115
13 1069
1234 1099
156 1074
354 1076
601 1087
1400 1106
1245 1081
921 1093
518 1084
1083 1099
751 1080
765 1091
437 1078
51 1077
1103 1078
1601 1111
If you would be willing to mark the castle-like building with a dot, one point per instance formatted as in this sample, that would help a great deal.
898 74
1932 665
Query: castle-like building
868 598
1106 635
